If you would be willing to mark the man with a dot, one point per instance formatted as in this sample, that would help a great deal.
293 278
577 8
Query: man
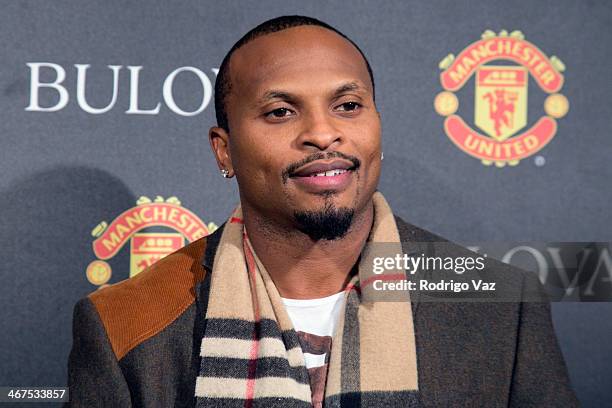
271 309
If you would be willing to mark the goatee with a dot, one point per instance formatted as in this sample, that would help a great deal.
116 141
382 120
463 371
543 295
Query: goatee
330 223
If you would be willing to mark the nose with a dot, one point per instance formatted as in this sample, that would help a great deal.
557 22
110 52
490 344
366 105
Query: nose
319 131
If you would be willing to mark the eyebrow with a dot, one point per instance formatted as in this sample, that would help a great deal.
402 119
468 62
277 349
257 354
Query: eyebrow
349 86
287 96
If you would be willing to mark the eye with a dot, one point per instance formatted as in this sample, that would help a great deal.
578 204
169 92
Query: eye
278 113
349 106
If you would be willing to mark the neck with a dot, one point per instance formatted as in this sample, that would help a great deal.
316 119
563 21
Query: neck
300 267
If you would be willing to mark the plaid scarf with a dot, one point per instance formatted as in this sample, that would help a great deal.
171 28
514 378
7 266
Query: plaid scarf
251 355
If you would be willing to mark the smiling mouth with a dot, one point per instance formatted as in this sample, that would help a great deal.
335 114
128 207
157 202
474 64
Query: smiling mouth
327 174
330 173
318 177
320 168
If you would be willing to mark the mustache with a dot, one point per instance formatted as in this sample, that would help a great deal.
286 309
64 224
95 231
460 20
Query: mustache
289 170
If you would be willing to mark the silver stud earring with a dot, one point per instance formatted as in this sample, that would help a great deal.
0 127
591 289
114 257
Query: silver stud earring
382 156
225 173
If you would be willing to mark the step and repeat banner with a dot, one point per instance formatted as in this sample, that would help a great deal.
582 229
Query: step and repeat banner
496 128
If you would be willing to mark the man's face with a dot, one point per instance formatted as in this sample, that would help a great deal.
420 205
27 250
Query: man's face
304 130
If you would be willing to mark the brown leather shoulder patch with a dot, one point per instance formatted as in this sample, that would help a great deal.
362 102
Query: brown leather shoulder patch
140 307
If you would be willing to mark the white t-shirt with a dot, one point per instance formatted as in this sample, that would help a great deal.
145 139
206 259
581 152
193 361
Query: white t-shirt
316 317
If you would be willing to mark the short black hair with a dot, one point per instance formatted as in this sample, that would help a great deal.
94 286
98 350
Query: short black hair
223 84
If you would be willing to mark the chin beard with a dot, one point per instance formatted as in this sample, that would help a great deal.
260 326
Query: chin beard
329 224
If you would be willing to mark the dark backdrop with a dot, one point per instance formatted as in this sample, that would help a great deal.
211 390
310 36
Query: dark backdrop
65 171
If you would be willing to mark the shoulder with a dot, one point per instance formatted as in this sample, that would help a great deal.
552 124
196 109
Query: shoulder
409 232
513 283
138 308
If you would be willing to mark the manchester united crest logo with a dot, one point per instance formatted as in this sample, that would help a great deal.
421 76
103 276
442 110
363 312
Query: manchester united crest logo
146 247
501 65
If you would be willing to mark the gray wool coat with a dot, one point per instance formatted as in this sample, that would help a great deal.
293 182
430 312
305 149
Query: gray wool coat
136 343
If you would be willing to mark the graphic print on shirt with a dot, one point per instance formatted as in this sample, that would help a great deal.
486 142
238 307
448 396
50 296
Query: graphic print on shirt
319 346
314 322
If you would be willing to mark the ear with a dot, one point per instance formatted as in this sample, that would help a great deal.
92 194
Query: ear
219 142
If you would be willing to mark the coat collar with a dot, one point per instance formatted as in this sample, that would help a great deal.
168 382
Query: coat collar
212 242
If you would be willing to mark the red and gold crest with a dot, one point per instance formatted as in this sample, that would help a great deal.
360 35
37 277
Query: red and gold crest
503 135
146 248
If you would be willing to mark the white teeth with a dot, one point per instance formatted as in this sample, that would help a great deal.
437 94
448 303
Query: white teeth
329 173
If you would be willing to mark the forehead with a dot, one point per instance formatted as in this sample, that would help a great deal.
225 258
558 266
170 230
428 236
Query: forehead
298 57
